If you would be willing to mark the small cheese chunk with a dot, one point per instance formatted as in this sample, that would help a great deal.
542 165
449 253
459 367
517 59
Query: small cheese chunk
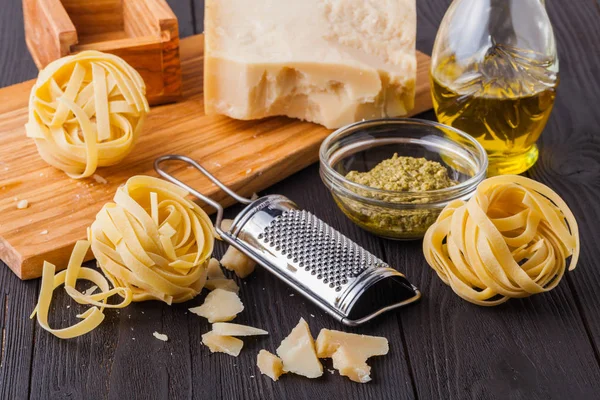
160 336
297 351
269 364
99 179
227 329
238 262
219 306
22 204
222 344
350 352
226 224
90 290
332 62
365 346
214 270
225 284
349 364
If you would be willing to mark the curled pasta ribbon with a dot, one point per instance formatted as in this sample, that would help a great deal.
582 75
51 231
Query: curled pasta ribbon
153 241
94 315
86 111
512 239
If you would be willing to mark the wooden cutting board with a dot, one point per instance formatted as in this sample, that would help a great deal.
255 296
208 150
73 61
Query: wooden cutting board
246 155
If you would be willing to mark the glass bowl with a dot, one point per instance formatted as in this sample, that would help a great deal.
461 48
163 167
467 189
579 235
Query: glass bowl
392 214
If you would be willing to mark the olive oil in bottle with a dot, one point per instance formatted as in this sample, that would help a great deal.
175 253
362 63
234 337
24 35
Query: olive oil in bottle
494 73
503 100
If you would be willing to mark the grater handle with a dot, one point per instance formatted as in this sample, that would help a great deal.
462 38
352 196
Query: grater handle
207 200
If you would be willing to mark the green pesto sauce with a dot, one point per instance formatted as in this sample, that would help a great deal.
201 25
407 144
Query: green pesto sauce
398 174
404 174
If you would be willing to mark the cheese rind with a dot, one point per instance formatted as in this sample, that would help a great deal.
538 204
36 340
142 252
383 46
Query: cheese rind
219 306
269 364
222 344
297 351
332 62
228 329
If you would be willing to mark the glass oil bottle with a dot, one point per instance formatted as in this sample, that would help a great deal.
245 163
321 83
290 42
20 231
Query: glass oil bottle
494 76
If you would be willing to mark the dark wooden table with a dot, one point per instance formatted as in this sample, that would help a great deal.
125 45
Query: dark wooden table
543 347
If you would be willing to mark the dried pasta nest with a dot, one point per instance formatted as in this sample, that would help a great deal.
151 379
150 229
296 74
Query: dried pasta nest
86 111
153 241
512 239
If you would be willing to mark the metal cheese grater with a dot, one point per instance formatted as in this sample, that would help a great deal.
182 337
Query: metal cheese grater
338 275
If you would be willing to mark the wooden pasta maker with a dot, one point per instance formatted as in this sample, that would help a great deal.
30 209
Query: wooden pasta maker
338 275
142 32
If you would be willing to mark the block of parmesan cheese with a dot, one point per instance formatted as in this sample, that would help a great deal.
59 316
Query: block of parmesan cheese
332 62
297 351
269 364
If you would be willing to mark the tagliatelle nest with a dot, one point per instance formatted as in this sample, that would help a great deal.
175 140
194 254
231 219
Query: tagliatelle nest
512 239
153 241
86 111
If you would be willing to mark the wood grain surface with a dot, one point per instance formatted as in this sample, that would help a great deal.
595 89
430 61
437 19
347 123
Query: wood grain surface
543 347
246 155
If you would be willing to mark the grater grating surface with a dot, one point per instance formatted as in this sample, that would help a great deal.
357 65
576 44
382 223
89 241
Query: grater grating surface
311 245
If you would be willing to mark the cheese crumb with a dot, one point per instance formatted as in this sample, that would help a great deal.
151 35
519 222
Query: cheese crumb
160 336
22 204
99 179
44 232
226 224
90 290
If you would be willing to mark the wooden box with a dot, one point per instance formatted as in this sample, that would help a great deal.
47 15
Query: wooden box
143 32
